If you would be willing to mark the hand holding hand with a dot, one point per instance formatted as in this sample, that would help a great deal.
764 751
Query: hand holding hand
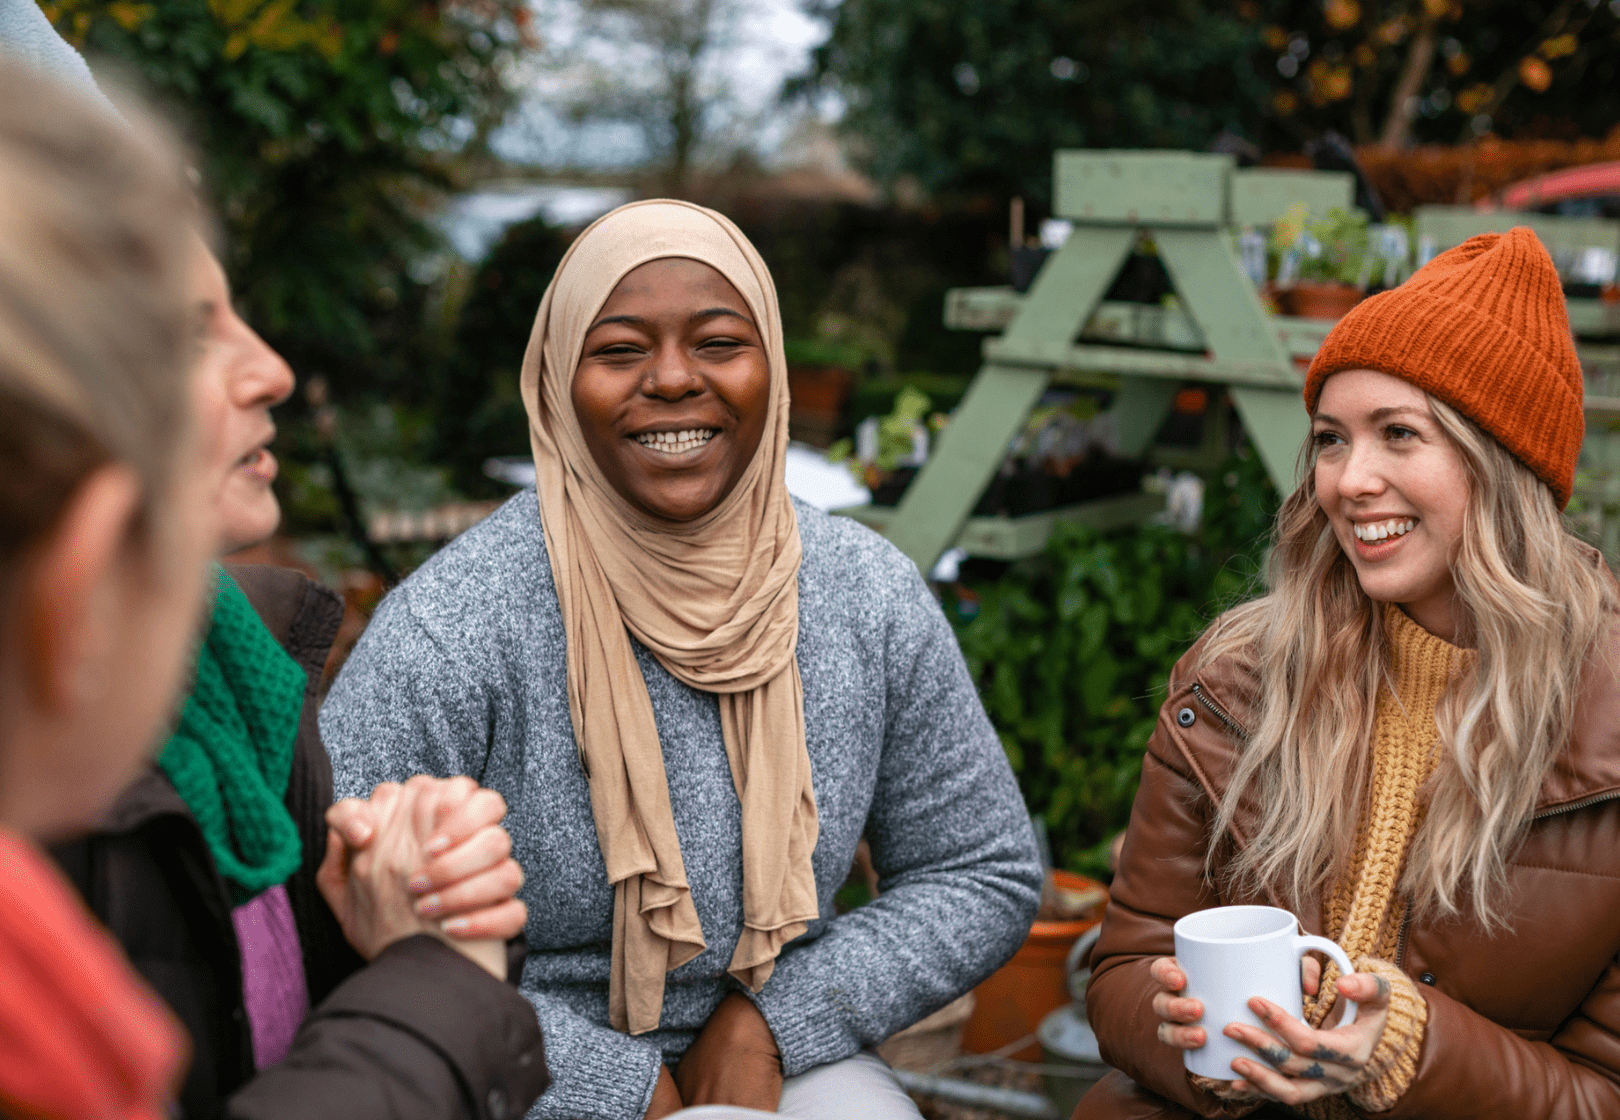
366 886
469 879
368 890
734 1059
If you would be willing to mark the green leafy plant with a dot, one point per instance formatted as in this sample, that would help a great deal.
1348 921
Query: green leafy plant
323 129
476 406
1072 649
1342 236
896 433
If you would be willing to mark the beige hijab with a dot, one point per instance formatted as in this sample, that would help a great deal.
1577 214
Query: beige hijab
716 600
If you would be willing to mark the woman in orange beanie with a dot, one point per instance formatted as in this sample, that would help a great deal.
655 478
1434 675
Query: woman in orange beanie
1409 742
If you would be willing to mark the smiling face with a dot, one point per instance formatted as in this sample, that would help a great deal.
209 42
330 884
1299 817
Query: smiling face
239 380
1394 488
672 388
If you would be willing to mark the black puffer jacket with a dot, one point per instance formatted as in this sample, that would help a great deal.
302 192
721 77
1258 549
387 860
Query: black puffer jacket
420 1032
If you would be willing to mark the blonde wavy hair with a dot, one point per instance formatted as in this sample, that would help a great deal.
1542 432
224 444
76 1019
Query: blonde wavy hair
1535 600
96 330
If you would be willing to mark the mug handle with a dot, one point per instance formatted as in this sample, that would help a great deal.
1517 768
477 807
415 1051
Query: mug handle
1306 942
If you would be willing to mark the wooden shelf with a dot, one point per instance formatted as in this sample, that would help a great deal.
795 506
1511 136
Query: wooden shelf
1138 324
1140 363
1594 318
1013 538
991 309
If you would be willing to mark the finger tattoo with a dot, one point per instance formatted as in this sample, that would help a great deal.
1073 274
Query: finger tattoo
1276 1055
1383 987
1328 1054
1313 1072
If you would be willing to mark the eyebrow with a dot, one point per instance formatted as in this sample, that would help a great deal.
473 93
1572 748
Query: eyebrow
695 317
716 313
1376 415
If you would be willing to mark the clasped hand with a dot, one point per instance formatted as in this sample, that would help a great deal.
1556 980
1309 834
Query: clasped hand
1299 1064
734 1060
428 856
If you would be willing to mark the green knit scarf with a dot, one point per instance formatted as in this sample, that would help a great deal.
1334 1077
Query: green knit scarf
231 757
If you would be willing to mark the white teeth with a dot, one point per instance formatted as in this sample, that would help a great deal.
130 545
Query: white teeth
1382 530
675 443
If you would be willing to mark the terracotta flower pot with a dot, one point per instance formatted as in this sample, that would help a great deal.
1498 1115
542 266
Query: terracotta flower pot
1014 1000
1319 299
818 389
817 395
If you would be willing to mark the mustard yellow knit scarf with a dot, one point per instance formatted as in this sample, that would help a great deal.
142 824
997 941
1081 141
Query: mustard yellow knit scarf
1363 912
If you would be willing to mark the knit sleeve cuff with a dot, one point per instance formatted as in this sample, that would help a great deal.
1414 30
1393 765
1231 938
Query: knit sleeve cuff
808 1032
1394 1060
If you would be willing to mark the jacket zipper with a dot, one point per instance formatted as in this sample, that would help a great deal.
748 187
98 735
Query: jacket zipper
1573 806
1217 711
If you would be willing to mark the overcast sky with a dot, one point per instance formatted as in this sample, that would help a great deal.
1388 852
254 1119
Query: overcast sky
772 40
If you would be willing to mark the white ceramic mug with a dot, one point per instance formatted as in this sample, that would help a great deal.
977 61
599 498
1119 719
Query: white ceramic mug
1230 954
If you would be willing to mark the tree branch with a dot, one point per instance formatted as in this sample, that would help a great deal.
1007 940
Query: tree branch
1419 60
1509 78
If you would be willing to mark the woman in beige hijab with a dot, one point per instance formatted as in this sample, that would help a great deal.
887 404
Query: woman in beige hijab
696 696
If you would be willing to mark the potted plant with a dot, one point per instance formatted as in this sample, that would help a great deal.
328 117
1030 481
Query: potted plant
1324 269
1060 458
816 396
888 450
1011 1003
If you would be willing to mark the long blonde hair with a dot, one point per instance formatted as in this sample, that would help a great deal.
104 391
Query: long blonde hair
1534 602
96 329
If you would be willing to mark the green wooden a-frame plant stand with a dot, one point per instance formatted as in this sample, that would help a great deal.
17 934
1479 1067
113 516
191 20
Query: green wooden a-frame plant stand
1190 205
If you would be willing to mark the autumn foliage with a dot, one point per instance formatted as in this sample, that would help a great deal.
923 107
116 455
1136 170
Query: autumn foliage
1469 172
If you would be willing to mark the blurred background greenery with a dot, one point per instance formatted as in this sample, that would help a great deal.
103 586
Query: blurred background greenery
1071 649
871 149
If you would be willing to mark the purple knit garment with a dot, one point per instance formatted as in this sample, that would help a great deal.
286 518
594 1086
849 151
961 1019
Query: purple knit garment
272 974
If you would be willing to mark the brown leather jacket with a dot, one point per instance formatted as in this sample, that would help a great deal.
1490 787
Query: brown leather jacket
1522 1024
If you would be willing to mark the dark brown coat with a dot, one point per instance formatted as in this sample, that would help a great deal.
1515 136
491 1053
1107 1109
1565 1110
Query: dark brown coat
419 1032
1522 1024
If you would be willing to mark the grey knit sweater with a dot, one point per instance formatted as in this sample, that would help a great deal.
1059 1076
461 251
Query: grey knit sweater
462 671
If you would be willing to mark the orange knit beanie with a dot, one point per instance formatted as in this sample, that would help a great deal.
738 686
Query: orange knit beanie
1483 328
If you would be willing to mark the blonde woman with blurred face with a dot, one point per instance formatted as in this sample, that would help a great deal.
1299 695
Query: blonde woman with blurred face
209 867
106 533
272 992
1409 742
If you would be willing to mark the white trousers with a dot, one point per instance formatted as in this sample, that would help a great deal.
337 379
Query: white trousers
858 1088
